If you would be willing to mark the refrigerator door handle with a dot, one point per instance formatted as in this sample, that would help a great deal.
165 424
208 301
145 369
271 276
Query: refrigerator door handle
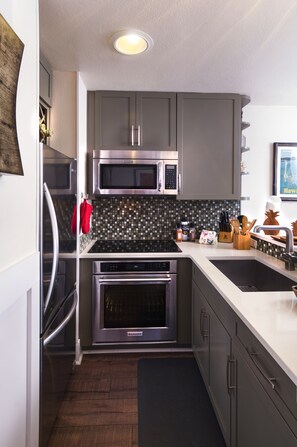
54 224
61 326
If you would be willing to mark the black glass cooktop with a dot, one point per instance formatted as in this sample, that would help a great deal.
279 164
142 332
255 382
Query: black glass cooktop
135 246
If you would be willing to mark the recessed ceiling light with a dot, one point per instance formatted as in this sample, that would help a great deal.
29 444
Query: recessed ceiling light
131 42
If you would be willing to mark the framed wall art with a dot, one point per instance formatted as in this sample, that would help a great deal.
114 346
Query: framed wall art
285 170
11 52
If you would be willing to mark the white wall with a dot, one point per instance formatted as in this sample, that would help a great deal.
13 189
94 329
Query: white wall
19 259
269 124
81 187
82 132
18 194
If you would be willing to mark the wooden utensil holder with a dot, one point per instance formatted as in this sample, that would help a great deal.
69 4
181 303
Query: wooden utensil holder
225 236
242 241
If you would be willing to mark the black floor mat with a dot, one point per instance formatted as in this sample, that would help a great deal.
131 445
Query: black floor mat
174 409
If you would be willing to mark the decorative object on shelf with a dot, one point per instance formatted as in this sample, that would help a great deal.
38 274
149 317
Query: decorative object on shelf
271 220
243 168
285 170
11 52
44 131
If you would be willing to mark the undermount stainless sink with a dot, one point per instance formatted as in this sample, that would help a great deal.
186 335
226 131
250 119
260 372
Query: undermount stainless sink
250 275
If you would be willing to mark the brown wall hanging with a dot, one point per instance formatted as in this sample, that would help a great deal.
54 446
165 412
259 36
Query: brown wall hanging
11 52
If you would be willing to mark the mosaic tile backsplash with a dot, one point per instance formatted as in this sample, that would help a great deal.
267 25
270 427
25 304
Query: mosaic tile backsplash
270 249
154 217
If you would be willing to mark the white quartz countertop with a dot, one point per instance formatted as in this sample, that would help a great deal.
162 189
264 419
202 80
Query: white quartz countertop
271 316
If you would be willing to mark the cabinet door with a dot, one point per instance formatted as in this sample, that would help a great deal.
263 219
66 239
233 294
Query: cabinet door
219 356
208 141
114 118
45 81
156 118
200 332
258 422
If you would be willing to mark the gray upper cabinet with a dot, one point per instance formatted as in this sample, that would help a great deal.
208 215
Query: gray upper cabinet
156 120
135 120
208 141
45 81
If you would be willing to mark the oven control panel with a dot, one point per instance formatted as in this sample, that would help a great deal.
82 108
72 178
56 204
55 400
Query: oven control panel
135 265
119 267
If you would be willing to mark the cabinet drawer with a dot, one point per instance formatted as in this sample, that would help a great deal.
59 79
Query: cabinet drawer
276 382
216 301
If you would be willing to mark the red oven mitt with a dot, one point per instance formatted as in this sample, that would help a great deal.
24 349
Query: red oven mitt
73 220
85 216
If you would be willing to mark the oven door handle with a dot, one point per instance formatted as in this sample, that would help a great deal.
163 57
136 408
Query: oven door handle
113 280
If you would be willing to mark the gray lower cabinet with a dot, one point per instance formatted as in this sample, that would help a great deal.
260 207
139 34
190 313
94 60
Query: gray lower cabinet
134 120
200 332
220 388
209 141
254 400
258 422
212 349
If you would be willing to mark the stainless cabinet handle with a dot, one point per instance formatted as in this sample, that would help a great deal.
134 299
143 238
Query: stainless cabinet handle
132 135
230 374
254 358
133 280
179 184
204 317
54 224
138 135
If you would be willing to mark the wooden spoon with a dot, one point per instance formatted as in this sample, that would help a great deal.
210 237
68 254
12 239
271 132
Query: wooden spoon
250 225
236 225
244 222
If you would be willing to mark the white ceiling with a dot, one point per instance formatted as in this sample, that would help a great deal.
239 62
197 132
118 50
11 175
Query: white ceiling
235 46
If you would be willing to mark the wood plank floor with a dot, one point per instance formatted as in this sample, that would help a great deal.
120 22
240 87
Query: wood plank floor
100 408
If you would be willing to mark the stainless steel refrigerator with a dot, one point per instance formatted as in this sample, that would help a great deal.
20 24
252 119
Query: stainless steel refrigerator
58 177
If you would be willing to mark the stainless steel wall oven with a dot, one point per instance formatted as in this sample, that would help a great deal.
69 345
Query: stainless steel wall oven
134 301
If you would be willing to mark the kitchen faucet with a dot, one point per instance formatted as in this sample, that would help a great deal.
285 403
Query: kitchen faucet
289 256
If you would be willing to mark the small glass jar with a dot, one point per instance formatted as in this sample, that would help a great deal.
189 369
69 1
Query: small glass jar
192 233
185 230
179 234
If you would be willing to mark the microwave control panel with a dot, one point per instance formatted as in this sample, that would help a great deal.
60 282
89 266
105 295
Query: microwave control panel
170 176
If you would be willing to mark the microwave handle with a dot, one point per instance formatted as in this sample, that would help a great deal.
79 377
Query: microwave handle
179 183
161 173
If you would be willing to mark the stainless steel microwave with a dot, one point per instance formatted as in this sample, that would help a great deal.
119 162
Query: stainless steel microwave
135 172
59 171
